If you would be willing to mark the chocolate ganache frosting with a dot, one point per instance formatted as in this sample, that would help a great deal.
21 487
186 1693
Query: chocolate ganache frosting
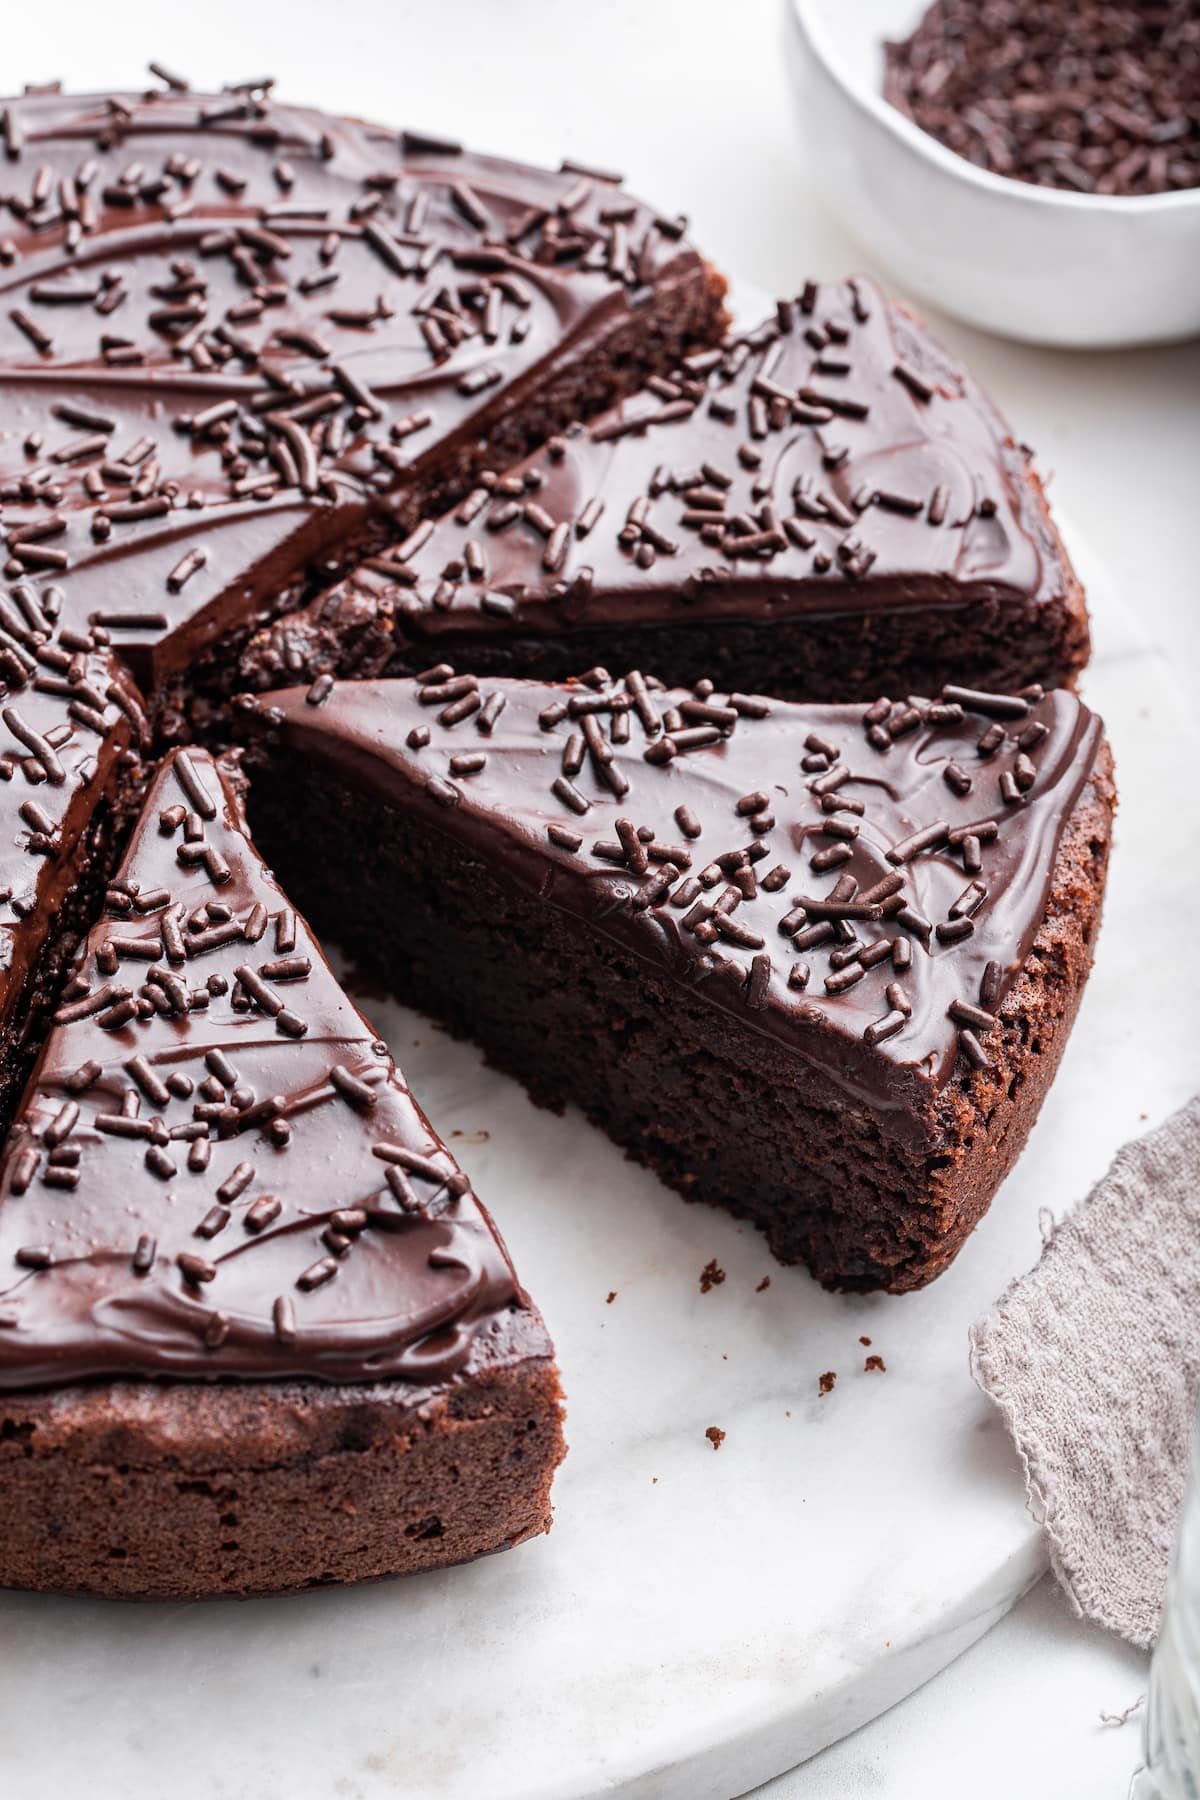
236 335
217 1170
863 884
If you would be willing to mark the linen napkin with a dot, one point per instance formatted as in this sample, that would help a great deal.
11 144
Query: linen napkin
1093 1358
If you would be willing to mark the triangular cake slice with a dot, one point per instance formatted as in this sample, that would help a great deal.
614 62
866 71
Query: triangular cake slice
239 335
827 508
277 1339
814 963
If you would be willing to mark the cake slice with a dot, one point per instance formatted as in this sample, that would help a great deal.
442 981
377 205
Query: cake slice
256 1331
816 964
829 508
239 336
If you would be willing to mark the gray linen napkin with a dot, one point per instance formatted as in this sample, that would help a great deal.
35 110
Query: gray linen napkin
1093 1358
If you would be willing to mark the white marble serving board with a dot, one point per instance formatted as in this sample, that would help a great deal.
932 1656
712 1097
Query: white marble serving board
696 1621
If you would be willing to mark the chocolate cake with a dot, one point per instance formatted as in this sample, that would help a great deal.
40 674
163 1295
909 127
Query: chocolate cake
827 508
237 335
282 1341
814 963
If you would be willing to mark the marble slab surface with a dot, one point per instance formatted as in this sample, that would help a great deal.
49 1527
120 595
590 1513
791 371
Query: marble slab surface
697 1621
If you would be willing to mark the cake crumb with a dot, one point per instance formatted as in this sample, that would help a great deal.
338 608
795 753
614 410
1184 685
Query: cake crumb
711 1275
827 1382
875 1362
764 1283
865 1341
611 1297
715 1436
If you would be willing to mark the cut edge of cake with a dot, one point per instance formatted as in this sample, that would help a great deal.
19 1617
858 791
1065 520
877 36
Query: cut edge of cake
880 1096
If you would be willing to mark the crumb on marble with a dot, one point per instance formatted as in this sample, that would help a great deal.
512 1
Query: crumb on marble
611 1297
875 1362
827 1382
711 1275
764 1283
866 1341
715 1436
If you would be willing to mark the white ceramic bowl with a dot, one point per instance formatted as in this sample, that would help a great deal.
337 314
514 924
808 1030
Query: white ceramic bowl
1081 270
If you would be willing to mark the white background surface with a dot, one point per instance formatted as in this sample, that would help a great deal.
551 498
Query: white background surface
689 98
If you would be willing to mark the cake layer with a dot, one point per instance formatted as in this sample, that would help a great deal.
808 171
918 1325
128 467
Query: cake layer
814 963
236 336
827 508
217 1174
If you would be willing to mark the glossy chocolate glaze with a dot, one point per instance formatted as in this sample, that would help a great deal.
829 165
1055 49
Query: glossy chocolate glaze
754 814
261 328
234 1181
833 461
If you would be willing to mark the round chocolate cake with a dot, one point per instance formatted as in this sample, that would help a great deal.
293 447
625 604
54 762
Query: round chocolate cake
683 711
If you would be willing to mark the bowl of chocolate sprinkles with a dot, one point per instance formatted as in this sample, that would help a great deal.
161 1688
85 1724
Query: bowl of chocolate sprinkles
1032 166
